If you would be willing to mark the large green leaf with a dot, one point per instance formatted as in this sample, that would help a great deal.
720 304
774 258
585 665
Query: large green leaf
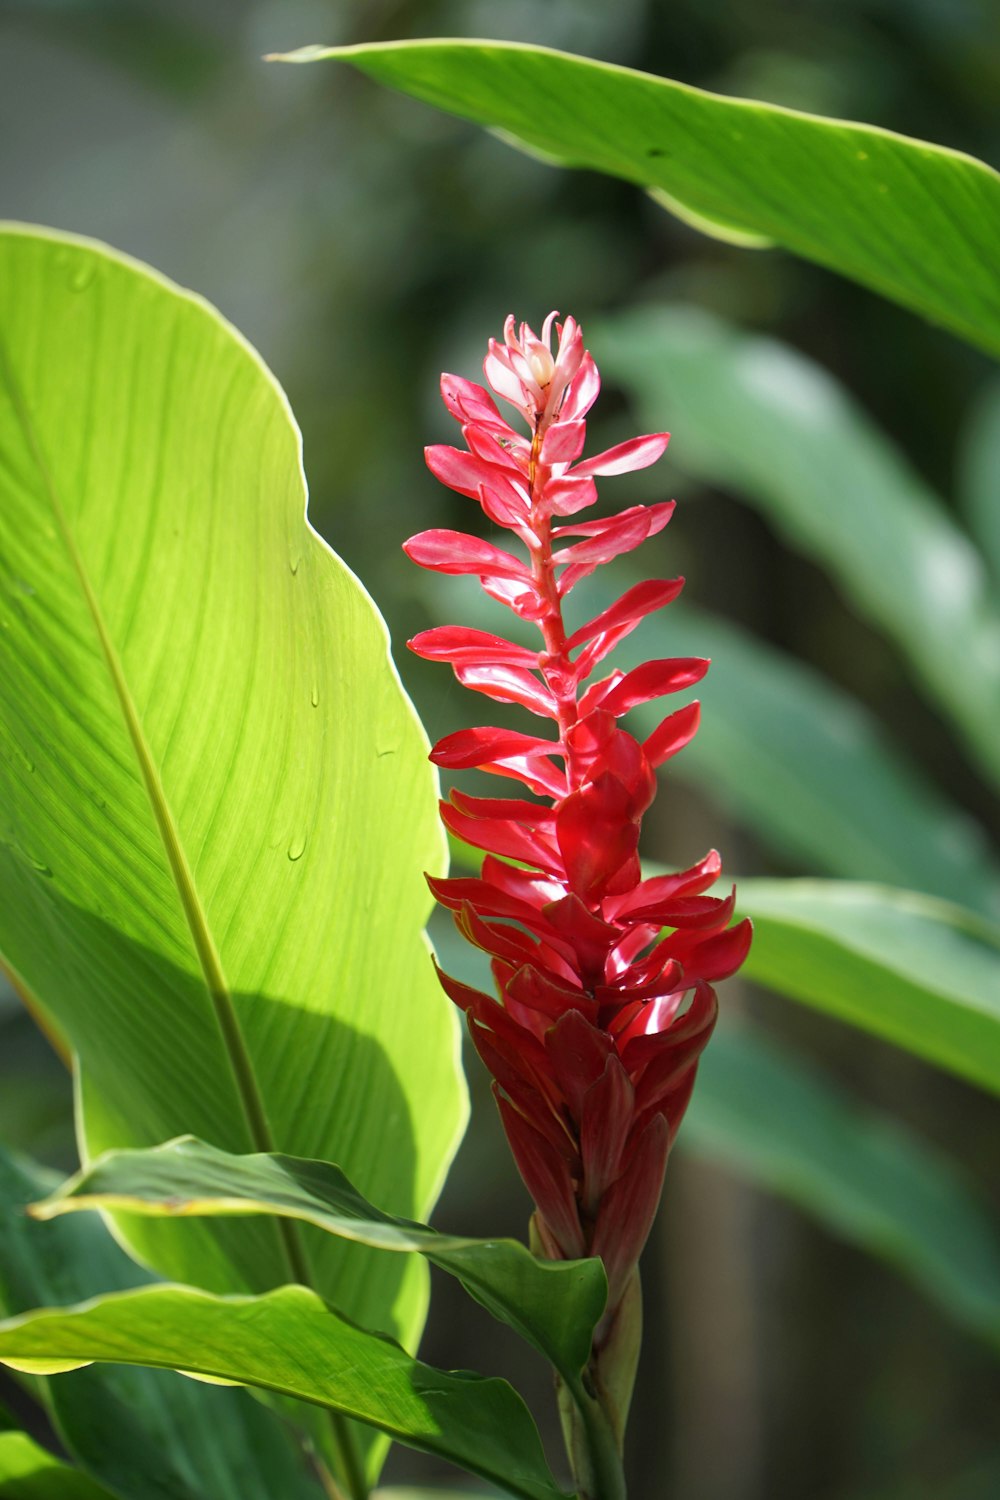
765 421
215 806
916 222
289 1341
28 1472
555 1306
919 972
120 1423
762 1112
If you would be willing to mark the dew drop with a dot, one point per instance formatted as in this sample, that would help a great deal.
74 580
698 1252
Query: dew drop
294 565
83 275
314 696
297 847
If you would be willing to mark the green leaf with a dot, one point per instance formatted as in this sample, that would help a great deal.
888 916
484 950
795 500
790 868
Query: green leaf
289 1341
215 806
979 474
121 1423
28 1472
794 445
555 1306
916 222
779 1123
919 972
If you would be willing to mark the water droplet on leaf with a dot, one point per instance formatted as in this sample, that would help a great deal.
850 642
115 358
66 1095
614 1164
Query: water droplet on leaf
297 847
83 275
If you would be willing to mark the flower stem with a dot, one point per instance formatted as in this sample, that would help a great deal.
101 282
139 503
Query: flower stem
591 1445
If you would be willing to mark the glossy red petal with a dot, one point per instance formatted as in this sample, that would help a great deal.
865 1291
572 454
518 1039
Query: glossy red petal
713 957
656 516
605 1117
484 898
455 552
676 730
637 453
652 680
689 912
462 471
691 882
637 602
565 495
563 442
537 773
577 1052
464 996
534 814
467 401
468 748
506 684
499 837
460 645
582 391
595 835
518 594
629 1207
504 505
540 991
547 1178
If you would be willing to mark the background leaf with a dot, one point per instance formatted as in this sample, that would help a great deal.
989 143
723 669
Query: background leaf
215 805
289 1341
794 445
919 972
122 1423
979 474
28 1472
555 1306
811 771
764 1114
913 221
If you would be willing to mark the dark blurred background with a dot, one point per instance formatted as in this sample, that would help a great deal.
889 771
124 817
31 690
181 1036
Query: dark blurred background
364 243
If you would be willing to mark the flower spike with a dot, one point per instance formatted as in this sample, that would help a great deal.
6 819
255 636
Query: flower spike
601 1016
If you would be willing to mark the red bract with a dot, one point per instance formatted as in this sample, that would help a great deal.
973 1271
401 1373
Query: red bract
600 1016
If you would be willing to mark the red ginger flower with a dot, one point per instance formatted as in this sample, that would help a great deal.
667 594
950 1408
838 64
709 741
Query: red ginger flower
594 1041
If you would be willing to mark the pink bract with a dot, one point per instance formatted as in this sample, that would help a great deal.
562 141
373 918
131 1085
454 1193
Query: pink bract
605 981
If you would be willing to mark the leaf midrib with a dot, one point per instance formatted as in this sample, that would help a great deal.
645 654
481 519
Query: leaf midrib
183 879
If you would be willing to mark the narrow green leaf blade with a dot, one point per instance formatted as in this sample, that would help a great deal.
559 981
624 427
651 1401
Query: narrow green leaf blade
916 222
979 474
554 1305
919 972
289 1341
796 447
215 806
119 1422
28 1472
779 1123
